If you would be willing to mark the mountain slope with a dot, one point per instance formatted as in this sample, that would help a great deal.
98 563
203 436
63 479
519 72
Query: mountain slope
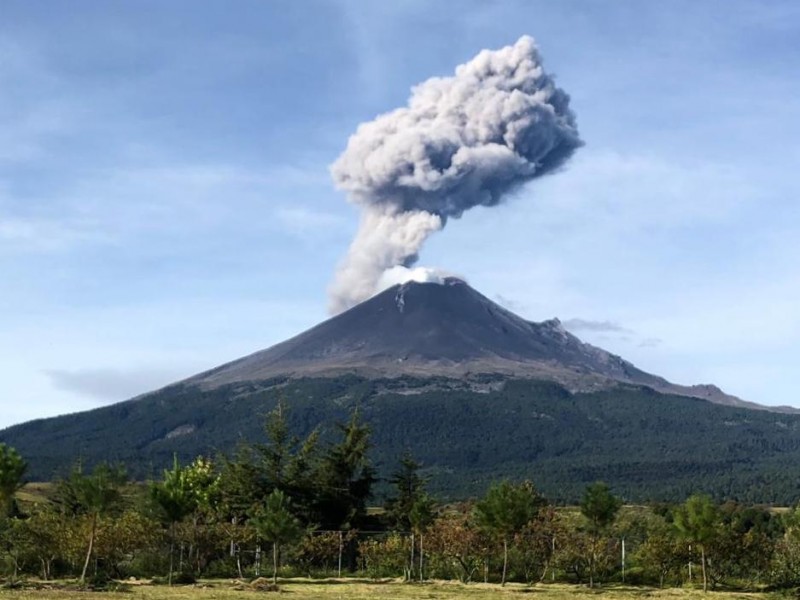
474 391
426 329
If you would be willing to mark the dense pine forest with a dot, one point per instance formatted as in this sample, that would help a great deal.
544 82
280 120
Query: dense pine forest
646 445
310 506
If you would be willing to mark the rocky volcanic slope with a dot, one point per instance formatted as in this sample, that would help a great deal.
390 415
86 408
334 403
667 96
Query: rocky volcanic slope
450 330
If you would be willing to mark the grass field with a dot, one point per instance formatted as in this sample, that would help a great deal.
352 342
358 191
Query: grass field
392 590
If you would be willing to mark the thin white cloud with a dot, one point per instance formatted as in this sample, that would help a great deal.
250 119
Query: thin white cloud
110 384
118 205
304 222
577 324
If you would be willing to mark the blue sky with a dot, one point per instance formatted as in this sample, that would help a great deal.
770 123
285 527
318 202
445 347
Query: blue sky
165 202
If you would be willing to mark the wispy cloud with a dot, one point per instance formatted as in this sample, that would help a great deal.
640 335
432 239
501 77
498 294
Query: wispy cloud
577 324
510 304
117 206
110 385
304 222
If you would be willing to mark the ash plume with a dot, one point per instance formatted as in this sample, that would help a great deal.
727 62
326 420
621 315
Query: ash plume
462 141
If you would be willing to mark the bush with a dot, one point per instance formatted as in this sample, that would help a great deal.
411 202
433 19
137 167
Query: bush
386 557
184 578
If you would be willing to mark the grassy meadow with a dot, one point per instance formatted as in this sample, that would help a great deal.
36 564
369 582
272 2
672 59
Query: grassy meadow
299 589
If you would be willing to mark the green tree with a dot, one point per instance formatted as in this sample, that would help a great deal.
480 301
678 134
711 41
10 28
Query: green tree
175 500
696 521
409 508
283 462
12 469
276 524
505 510
409 486
345 478
95 495
599 507
662 553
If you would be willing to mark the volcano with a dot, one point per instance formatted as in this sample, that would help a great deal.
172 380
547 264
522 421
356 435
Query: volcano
447 330
476 392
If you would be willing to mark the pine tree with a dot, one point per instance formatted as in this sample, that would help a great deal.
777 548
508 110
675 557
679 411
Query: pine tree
599 506
696 520
12 469
96 495
346 477
175 499
276 524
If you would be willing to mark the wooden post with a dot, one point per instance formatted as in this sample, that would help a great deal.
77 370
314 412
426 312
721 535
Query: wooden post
410 576
421 578
341 543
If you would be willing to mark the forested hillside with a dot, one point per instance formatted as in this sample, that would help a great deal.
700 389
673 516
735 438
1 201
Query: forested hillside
647 445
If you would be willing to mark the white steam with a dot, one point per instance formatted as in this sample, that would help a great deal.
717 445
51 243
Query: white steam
462 141
399 274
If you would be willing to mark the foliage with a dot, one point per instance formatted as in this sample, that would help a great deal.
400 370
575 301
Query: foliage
457 546
409 490
505 511
276 524
321 550
662 554
12 469
385 557
532 545
174 497
467 434
94 495
697 521
298 488
599 506
785 565
346 477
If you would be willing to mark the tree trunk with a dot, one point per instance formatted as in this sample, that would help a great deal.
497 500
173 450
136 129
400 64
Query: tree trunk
703 565
410 576
505 561
171 550
91 547
275 563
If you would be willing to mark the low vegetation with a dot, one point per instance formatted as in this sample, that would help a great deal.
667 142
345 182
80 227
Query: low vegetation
357 590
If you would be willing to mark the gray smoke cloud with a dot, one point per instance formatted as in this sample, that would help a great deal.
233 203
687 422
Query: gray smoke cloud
462 141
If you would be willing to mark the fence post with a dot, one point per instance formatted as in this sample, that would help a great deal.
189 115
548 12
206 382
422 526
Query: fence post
341 543
410 576
421 579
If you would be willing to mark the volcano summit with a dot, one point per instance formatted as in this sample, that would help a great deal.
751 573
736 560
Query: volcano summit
444 330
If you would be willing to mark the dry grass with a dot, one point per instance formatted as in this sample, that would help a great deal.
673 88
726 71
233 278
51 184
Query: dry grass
298 589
